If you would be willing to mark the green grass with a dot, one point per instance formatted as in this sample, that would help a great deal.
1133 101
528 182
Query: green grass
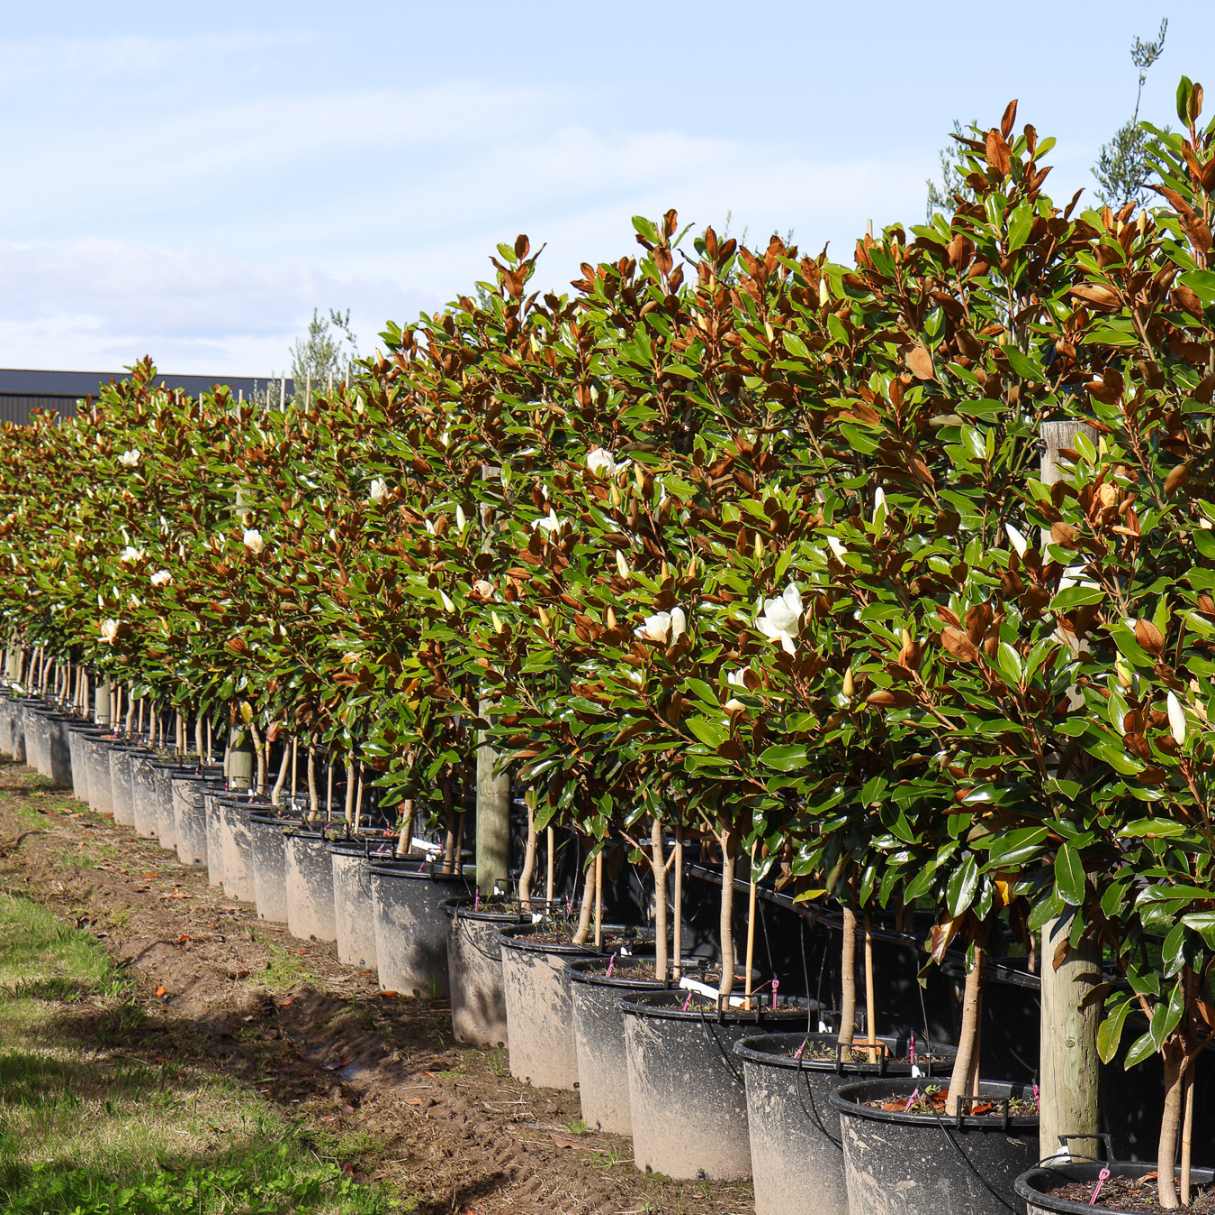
87 1128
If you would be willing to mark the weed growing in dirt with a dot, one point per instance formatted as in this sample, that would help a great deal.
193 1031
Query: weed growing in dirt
34 947
284 970
575 1126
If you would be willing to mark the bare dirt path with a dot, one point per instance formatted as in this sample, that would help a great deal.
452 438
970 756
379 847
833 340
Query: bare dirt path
381 1077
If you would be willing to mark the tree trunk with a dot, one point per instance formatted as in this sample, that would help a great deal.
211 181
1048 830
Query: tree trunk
349 811
449 844
967 1056
728 838
658 863
588 902
276 795
870 997
529 860
313 800
550 861
848 978
493 815
599 898
405 835
1166 1154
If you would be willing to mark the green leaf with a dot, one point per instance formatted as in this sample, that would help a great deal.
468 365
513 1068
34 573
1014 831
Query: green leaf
1016 847
1023 365
961 890
1069 876
794 345
1158 828
1142 1048
1109 1032
1076 596
1172 952
711 733
1166 1017
784 759
1204 540
1184 88
1202 283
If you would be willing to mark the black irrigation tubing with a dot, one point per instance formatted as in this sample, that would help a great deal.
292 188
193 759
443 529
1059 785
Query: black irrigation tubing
968 1162
726 1057
814 1116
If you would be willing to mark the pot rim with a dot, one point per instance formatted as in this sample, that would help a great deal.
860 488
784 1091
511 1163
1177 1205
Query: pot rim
394 867
456 909
751 1050
844 1101
514 936
1086 1170
647 1006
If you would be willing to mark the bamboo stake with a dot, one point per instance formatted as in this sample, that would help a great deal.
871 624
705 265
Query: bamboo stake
599 898
678 942
550 861
848 978
750 932
1187 1127
210 751
295 755
529 858
349 813
358 806
198 738
870 1000
329 785
312 796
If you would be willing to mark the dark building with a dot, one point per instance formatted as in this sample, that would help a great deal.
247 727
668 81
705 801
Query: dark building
22 392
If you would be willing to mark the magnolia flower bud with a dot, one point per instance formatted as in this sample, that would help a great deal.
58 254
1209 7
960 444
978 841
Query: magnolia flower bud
131 457
849 686
461 518
734 706
824 292
679 623
543 615
759 547
1176 718
109 630
666 573
1125 678
907 638
447 603
615 497
498 625
379 490
611 619
254 542
621 564
161 578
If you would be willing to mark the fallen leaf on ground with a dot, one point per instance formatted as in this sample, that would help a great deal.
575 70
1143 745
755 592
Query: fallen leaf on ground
562 1142
161 991
414 1101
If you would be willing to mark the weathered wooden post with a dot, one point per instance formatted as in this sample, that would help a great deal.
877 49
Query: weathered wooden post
1068 1063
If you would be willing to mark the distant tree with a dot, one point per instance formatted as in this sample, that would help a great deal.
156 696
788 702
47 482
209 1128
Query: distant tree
325 351
953 173
1122 167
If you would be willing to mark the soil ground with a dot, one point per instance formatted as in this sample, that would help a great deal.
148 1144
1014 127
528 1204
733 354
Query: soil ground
377 1077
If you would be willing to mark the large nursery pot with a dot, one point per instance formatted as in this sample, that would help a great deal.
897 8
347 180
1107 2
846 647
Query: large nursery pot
122 759
233 810
97 749
407 896
1037 1187
34 716
143 795
57 748
215 836
474 969
163 772
310 912
8 707
267 830
686 1090
928 1164
797 1160
603 1074
354 921
539 1011
78 751
190 812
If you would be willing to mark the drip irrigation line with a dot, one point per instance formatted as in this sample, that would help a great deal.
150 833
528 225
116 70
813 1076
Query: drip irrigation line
813 1117
968 1163
736 1073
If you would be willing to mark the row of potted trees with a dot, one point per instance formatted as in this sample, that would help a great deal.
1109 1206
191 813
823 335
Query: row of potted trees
744 548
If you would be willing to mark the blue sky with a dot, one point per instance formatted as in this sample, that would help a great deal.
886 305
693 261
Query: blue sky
189 181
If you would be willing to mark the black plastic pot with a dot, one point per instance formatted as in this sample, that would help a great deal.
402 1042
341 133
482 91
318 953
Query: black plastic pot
56 748
121 759
407 897
1035 1186
310 912
268 844
797 1161
190 812
539 1011
474 970
163 772
215 836
925 1164
10 709
603 1074
354 919
97 757
686 1089
143 795
236 840
31 716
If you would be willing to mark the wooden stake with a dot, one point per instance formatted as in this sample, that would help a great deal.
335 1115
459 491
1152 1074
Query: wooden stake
313 808
1187 1127
848 978
358 805
750 931
529 858
295 755
277 792
329 787
550 841
349 812
870 1002
677 964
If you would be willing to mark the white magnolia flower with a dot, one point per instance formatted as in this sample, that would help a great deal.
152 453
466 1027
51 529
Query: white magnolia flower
622 565
447 603
461 518
782 618
1176 718
734 706
109 630
130 457
134 601
603 464
430 527
254 542
379 490
656 628
836 546
1017 540
679 623
131 554
738 679
161 578
879 502
484 588
548 524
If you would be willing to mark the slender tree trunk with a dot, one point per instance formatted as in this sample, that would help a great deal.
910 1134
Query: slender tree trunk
588 902
529 860
349 812
599 898
358 806
967 1056
848 978
276 795
1187 1131
729 851
314 801
329 786
658 862
260 752
550 862
449 843
405 835
870 999
198 737
1170 1122
295 768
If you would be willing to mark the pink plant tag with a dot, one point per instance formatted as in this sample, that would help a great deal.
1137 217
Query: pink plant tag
775 988
687 1002
611 966
915 1092
1102 1178
798 1053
